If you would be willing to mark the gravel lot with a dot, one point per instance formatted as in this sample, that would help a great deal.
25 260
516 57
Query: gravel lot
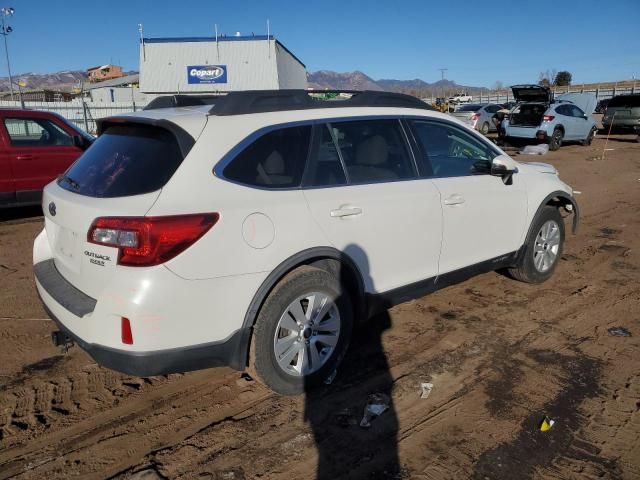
500 354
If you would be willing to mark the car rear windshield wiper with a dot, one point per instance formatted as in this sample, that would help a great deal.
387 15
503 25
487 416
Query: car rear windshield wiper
75 185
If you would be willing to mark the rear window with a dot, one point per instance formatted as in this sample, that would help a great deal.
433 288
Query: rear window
629 101
469 108
125 160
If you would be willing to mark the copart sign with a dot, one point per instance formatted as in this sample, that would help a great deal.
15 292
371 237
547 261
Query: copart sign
207 73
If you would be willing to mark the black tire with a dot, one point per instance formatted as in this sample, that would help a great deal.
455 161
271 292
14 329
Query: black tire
587 141
526 270
485 128
263 362
555 142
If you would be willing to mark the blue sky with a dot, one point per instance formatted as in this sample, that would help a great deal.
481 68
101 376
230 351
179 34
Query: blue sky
479 42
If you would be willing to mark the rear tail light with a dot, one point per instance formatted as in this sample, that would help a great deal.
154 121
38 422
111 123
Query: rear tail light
475 116
547 118
146 241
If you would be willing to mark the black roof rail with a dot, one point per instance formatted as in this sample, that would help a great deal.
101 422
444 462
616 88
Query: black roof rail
261 101
181 100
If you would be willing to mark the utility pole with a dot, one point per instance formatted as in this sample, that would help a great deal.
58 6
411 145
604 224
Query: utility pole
442 70
6 30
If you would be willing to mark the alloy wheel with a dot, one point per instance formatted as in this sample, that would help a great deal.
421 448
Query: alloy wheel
546 246
307 334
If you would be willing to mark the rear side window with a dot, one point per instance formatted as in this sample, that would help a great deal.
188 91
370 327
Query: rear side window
125 160
628 101
36 132
374 150
275 160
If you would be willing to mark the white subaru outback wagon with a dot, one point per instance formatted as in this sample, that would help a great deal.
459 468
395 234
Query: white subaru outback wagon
254 229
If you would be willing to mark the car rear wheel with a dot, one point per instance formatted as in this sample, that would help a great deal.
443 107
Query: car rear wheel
302 331
485 128
556 139
543 248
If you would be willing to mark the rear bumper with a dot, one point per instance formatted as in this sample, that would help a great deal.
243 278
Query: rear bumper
73 312
160 362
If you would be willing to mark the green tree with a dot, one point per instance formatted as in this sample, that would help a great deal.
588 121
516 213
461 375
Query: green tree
562 79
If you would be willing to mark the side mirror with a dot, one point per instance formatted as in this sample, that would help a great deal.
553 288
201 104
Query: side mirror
81 142
503 166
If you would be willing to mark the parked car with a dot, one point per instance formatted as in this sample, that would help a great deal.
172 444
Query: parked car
484 118
540 117
256 231
35 147
460 98
623 113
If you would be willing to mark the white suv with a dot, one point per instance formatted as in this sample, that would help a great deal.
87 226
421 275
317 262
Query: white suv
254 229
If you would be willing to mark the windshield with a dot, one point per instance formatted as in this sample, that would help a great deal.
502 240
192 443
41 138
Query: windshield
125 160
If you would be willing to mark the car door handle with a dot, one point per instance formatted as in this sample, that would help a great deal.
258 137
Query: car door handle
454 199
25 157
346 211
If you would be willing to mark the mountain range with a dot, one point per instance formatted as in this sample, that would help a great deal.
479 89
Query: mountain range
323 79
327 79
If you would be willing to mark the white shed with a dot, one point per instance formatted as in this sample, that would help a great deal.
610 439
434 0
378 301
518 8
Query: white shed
204 64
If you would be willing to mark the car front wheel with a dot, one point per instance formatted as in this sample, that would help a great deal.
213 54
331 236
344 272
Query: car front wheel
302 331
543 248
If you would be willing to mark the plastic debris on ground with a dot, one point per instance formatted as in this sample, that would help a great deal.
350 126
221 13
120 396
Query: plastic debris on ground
546 424
619 332
329 380
541 149
426 389
376 405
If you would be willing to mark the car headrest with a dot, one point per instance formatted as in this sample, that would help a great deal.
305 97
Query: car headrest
372 151
274 164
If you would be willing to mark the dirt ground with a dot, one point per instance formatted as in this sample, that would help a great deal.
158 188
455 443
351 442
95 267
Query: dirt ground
500 355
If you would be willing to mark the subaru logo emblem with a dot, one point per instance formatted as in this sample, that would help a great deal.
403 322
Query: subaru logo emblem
52 209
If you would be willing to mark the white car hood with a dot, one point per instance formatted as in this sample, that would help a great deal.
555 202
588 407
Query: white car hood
584 101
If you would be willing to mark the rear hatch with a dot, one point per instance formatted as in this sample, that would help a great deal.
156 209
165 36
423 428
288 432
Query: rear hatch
532 93
120 175
466 112
527 115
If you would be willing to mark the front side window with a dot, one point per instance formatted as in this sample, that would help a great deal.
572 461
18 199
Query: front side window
36 132
275 160
373 150
448 151
576 112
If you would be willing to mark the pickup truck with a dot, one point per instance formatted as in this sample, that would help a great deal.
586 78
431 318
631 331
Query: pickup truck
35 147
460 98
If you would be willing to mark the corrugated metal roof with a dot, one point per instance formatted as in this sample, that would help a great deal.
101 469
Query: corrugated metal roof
115 82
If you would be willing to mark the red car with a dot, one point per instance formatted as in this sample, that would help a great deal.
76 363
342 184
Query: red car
35 147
